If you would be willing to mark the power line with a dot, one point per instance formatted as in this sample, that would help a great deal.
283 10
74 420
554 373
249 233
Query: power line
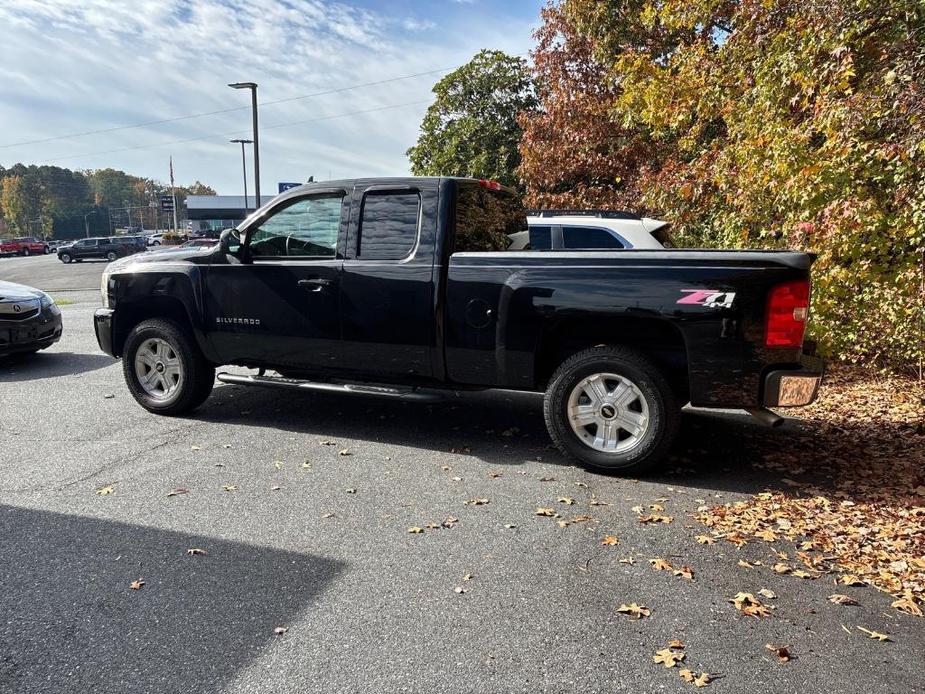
239 131
221 111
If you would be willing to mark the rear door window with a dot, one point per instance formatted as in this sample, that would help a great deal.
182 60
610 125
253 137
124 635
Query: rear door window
389 225
540 238
589 238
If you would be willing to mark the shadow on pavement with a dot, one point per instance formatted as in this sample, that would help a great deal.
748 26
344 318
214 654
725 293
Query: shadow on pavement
49 365
71 623
714 450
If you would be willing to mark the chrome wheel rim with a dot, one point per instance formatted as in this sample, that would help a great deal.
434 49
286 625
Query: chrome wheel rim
608 412
158 368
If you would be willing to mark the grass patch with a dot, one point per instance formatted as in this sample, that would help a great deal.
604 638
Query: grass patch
64 302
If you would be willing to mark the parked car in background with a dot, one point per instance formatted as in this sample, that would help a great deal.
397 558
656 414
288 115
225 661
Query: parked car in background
154 239
29 319
133 244
27 245
589 230
101 247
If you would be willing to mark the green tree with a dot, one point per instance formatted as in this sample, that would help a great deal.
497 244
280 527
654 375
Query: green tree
471 129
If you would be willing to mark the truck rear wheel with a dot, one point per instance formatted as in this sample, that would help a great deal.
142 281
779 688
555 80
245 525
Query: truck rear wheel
611 409
164 369
65 258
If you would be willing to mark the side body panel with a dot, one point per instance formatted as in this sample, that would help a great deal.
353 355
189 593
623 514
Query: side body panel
501 307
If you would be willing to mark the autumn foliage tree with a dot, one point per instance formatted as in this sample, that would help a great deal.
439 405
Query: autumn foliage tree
754 123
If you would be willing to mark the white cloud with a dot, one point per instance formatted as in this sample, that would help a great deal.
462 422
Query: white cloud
71 68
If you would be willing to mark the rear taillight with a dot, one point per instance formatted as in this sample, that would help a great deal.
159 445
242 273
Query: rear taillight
788 309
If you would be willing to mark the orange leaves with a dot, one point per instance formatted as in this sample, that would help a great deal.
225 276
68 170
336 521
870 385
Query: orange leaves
137 584
610 541
660 564
782 652
840 599
655 518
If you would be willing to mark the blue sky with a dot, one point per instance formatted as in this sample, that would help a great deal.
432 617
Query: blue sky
73 66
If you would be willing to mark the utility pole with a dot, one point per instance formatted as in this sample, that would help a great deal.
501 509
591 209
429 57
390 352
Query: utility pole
253 87
173 193
244 170
87 223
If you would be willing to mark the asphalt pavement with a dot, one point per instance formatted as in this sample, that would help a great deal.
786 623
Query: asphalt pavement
306 578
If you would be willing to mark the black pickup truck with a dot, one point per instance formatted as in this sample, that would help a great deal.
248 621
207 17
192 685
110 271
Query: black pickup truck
402 287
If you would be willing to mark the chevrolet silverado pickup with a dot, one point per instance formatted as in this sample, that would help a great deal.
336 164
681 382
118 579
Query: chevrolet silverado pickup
402 287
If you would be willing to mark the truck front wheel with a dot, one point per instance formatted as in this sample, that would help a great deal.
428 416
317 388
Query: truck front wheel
164 369
611 409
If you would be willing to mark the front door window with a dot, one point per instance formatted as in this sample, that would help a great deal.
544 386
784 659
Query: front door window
305 228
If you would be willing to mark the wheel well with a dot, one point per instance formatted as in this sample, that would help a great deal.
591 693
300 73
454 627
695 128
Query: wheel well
130 315
660 341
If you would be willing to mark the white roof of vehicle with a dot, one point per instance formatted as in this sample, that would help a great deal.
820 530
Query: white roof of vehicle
637 231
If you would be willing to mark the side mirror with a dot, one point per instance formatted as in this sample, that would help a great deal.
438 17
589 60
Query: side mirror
230 243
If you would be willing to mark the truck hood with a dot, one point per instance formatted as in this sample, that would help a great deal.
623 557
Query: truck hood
10 291
171 255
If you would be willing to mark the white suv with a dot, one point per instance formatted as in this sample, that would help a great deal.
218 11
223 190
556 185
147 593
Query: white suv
588 229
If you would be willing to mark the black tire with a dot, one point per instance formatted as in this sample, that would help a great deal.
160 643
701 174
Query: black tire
664 413
25 252
65 258
46 250
198 376
111 256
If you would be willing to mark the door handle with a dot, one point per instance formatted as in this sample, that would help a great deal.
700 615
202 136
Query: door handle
316 284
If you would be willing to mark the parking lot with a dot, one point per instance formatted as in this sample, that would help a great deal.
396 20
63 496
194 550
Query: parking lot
269 541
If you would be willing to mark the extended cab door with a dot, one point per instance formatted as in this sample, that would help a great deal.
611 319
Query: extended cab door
275 302
387 289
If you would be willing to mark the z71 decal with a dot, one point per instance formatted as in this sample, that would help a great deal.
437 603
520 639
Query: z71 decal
711 298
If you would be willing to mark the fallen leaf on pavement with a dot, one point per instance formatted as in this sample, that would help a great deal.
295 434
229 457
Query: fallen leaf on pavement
351 490
566 500
279 631
907 604
744 564
676 643
476 502
328 515
468 577
749 605
782 652
195 448
328 443
415 530
685 572
627 560
655 518
770 594
840 599
668 657
459 589
660 564
876 634
344 451
850 580
230 487
137 584
634 611
449 521
177 491
103 491
705 539
547 512
610 540
193 551
495 475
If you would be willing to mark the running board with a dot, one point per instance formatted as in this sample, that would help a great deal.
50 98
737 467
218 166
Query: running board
348 388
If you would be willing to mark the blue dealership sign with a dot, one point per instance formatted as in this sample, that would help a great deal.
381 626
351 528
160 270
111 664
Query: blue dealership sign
283 187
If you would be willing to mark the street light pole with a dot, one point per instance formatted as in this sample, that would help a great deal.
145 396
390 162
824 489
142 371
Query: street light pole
87 223
244 169
253 87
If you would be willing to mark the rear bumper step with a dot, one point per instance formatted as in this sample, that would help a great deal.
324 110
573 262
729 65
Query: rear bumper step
415 394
